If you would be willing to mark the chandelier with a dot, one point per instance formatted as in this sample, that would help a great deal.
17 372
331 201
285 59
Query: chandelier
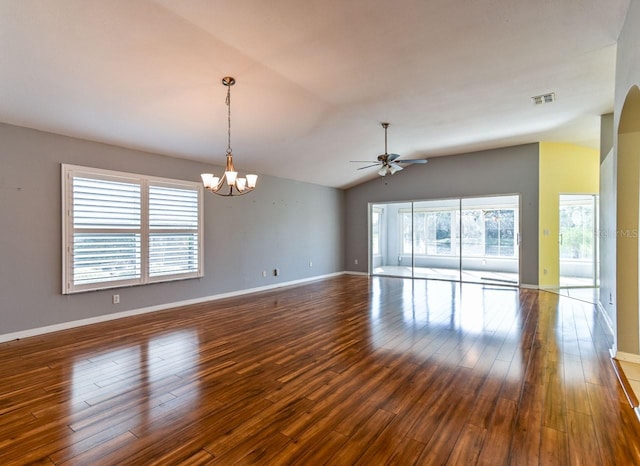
229 184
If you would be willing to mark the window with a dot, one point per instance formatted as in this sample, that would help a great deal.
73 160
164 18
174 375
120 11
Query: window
489 232
426 232
499 232
482 232
439 233
121 229
471 235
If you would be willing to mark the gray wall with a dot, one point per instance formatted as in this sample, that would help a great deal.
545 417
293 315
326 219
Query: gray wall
512 170
606 135
607 236
283 224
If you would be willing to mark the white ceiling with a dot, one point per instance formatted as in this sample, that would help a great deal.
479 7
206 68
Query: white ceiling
314 78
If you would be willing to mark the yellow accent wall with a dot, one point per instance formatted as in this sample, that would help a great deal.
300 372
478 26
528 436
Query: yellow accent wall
564 169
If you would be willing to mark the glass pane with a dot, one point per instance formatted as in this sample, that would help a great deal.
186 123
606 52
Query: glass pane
375 230
499 232
105 257
393 254
173 231
471 234
100 204
173 208
172 253
577 240
489 239
435 252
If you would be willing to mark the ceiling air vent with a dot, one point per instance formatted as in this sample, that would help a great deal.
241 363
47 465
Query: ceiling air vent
544 98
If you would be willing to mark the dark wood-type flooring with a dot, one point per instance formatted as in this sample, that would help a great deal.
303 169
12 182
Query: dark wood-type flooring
348 370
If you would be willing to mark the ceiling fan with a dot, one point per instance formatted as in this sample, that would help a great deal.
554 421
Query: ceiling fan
387 162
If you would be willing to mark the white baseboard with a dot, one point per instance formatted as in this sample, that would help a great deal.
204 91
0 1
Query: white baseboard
529 287
161 307
629 357
606 317
349 272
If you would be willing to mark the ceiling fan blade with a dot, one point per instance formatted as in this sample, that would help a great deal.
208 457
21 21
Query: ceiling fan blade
362 161
392 157
394 167
412 161
369 166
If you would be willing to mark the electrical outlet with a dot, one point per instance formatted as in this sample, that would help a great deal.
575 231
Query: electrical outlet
310 264
116 299
546 271
276 272
264 273
355 261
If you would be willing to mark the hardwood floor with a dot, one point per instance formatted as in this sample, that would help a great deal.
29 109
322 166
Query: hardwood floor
349 370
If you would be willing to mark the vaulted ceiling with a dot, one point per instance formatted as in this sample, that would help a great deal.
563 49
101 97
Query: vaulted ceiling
314 78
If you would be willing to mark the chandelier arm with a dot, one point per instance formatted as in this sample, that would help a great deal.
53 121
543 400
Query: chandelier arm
219 185
232 193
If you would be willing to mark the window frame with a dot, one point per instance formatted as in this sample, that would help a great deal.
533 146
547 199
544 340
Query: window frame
68 172
377 211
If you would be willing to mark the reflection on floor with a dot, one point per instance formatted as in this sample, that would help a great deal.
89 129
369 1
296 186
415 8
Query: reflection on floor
576 281
476 276
587 294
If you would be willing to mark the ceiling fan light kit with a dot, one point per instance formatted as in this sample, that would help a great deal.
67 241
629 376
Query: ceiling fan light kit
388 162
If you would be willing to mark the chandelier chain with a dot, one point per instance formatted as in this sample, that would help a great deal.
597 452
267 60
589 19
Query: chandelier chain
228 101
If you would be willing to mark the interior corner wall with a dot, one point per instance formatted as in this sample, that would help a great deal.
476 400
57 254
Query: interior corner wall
510 170
284 224
606 135
564 169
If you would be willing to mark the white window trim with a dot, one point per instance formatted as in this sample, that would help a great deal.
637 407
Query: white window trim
67 172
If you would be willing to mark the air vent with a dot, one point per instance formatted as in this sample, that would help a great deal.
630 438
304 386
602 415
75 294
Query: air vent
544 98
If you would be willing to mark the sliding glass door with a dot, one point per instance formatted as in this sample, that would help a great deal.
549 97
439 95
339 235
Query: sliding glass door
471 239
434 245
578 240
